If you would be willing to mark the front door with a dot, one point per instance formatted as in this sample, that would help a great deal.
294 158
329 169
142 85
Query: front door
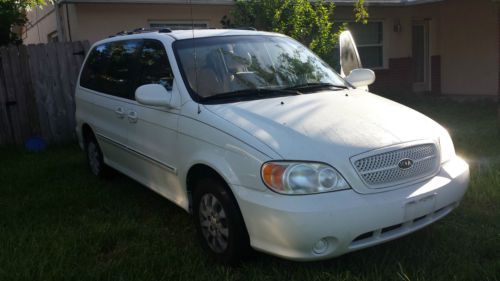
420 54
153 129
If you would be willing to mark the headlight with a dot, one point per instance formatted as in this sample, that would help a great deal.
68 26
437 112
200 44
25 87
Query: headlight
447 148
302 178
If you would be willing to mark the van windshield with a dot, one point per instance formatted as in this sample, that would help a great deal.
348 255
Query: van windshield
229 68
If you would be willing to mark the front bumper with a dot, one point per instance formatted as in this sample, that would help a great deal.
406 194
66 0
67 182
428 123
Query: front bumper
290 226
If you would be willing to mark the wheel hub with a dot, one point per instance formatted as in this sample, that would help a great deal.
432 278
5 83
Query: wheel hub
213 223
93 155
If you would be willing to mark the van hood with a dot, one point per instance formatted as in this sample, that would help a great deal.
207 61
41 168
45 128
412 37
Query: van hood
328 126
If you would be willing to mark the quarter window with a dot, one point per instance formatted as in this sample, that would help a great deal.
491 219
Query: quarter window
111 68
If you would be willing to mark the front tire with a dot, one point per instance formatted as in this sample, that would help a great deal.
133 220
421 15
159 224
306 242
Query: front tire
219 223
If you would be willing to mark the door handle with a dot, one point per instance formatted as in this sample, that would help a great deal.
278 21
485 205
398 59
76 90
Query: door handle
120 112
132 117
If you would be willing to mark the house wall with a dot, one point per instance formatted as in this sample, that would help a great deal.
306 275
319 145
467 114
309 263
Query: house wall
396 75
463 47
463 37
41 22
398 44
98 21
469 47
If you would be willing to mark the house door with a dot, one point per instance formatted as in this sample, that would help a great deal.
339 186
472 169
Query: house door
420 54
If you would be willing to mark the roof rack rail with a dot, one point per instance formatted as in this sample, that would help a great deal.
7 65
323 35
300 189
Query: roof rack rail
153 29
245 28
141 30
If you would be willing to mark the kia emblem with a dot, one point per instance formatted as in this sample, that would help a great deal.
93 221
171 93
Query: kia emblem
405 164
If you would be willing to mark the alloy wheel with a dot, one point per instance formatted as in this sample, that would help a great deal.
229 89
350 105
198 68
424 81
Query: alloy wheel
94 158
213 221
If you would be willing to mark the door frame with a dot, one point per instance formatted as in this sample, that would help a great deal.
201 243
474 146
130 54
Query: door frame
424 86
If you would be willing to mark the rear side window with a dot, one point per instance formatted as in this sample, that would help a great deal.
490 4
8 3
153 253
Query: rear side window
154 64
111 68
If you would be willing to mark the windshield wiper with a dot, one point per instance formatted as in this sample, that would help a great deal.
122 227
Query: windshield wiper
252 93
312 86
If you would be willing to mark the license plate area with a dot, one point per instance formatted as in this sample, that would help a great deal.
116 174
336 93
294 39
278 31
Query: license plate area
420 207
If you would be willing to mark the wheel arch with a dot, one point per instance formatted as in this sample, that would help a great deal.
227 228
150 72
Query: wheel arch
87 132
199 171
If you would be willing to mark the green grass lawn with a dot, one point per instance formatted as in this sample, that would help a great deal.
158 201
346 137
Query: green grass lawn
57 222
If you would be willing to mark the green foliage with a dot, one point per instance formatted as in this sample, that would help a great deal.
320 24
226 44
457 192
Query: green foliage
310 22
13 13
360 12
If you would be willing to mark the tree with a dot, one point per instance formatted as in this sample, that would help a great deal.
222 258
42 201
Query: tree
13 13
309 22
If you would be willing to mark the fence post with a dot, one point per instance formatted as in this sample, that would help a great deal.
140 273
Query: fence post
5 127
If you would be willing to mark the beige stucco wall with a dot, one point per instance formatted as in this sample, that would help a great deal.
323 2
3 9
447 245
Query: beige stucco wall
463 32
469 47
41 22
98 21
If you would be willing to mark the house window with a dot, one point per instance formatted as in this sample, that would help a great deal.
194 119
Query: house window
369 40
52 37
175 25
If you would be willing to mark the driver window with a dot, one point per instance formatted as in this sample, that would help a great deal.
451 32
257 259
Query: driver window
154 65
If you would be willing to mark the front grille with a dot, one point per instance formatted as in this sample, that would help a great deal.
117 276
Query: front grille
383 170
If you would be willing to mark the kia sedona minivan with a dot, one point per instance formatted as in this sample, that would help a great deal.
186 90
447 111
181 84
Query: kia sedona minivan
264 143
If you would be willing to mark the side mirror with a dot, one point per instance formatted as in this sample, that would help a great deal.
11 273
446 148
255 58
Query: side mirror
153 94
361 77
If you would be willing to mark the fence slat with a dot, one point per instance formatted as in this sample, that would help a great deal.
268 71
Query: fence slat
35 58
45 93
20 92
5 128
12 114
52 93
65 87
29 97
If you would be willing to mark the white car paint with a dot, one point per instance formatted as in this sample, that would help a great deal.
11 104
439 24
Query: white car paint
157 146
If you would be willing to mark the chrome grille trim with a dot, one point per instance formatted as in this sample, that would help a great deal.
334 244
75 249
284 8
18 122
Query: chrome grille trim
379 169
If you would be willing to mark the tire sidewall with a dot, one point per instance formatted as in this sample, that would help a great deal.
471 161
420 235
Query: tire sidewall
238 242
91 141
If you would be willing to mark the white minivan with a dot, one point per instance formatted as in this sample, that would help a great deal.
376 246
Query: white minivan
263 142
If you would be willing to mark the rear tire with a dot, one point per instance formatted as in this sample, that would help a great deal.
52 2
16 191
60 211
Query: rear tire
95 158
219 223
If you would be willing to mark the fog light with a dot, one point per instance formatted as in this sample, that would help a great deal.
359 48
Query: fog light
321 246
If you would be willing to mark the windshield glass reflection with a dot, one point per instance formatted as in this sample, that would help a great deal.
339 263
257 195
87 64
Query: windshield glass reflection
239 64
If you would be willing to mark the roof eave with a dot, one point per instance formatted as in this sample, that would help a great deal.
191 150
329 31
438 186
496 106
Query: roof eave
389 4
194 2
231 2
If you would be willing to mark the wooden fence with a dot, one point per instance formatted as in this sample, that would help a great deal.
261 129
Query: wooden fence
37 84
